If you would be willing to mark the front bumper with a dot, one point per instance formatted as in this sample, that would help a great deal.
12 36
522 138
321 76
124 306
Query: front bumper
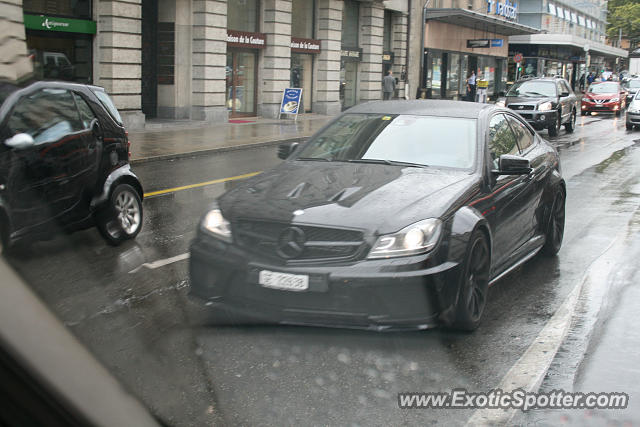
633 118
399 293
606 106
539 119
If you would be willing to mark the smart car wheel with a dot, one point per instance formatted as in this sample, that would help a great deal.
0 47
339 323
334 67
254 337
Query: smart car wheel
474 283
555 227
121 219
555 127
571 124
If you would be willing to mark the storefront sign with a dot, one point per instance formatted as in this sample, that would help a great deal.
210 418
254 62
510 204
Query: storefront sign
497 42
387 57
351 54
507 9
67 25
290 101
305 45
246 39
478 43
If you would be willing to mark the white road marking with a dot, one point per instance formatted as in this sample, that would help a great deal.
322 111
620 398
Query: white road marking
529 371
161 262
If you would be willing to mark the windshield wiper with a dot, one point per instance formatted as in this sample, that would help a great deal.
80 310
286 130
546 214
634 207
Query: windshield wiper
387 162
311 159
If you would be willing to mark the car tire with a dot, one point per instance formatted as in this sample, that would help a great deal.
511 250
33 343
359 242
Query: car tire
121 218
571 124
629 126
555 128
618 113
555 225
584 113
473 284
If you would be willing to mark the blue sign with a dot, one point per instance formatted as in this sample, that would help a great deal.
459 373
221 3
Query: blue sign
291 101
496 42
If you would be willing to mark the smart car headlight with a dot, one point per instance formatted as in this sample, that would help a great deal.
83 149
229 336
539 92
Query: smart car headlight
545 106
415 239
214 223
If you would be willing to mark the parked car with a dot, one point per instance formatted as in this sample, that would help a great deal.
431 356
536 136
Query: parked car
64 164
544 102
398 214
52 65
631 86
604 96
633 112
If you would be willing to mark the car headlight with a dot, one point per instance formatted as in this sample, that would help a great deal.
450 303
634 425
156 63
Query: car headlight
500 103
214 223
545 106
614 100
586 99
415 239
634 107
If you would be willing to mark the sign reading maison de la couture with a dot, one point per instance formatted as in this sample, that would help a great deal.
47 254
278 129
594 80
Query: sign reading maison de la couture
507 9
246 39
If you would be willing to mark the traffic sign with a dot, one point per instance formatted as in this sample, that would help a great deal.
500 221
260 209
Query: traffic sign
517 58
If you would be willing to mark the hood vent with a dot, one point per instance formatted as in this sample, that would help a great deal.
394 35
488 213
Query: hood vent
343 194
296 192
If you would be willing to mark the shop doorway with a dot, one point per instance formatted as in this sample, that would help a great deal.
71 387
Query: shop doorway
301 77
348 84
241 83
149 58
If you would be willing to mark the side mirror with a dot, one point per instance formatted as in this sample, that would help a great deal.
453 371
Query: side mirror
564 94
20 141
96 129
513 165
286 148
502 94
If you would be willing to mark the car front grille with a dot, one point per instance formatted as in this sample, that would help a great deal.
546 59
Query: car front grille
522 107
318 243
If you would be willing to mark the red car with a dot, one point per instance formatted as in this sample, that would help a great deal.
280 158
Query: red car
604 96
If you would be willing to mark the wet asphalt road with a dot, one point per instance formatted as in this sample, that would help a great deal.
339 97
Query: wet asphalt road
130 306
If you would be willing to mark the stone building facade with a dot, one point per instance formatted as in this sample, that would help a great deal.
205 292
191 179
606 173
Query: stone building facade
215 60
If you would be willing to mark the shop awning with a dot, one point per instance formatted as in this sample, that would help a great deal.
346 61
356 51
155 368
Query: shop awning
595 48
471 19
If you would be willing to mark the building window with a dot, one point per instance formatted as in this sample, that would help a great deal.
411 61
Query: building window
76 9
302 18
387 35
350 23
242 15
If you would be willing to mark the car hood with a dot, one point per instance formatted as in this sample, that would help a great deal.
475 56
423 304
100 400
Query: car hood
527 100
373 197
601 95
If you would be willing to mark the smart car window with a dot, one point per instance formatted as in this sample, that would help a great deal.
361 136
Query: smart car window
422 140
86 113
108 104
524 137
46 115
501 139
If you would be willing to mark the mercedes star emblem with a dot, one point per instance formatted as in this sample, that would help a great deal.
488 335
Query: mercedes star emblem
291 243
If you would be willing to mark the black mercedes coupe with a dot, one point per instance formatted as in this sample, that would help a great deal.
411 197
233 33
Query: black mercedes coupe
395 215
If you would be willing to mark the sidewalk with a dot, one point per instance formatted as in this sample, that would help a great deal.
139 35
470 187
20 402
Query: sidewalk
171 139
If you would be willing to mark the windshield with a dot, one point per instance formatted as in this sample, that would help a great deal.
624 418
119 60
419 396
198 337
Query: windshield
603 88
421 140
533 89
632 84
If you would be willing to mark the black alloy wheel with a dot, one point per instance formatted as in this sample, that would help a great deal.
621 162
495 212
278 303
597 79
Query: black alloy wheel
554 128
555 228
474 285
121 219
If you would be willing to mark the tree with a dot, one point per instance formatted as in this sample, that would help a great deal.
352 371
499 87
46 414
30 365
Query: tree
625 15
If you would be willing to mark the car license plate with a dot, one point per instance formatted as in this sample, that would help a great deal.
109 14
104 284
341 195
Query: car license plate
284 281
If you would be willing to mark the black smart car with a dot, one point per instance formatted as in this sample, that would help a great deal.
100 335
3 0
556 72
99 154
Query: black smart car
396 214
544 102
64 164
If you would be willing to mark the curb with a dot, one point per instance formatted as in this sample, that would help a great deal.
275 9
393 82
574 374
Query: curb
216 150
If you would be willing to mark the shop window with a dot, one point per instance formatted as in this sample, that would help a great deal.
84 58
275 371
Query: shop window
302 18
387 35
76 9
350 23
242 15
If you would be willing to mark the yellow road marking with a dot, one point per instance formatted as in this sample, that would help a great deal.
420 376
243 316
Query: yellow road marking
201 184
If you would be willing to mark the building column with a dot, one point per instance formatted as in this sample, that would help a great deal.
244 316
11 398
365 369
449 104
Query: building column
276 58
327 84
399 46
13 51
209 61
119 57
371 42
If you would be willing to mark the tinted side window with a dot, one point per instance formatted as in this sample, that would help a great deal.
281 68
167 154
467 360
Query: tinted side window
86 113
501 139
523 134
47 115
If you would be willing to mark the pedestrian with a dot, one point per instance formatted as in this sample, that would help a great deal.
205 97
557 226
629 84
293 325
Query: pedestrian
388 85
582 79
471 87
590 78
